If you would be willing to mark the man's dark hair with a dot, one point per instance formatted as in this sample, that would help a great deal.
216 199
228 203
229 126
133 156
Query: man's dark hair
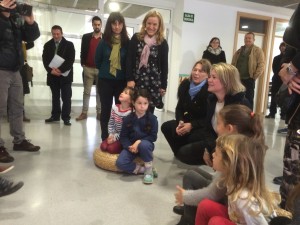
97 18
56 27
252 33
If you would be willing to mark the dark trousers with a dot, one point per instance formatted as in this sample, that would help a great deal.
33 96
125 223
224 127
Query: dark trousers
61 90
108 89
188 149
274 89
193 180
250 86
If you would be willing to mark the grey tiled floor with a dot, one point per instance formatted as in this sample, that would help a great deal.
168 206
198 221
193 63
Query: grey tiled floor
64 187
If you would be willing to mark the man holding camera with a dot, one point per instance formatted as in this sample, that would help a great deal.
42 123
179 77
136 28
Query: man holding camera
16 25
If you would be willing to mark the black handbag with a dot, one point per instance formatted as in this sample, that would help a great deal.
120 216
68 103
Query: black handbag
27 72
291 34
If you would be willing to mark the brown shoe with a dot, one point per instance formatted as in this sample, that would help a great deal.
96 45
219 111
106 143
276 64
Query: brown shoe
5 157
98 116
25 145
25 119
82 116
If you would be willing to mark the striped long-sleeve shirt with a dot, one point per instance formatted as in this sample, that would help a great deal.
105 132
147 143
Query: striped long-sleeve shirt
116 120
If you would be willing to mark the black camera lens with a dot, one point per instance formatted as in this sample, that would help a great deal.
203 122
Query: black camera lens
24 9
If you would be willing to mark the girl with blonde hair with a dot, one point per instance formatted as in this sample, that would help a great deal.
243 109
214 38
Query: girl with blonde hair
240 159
198 184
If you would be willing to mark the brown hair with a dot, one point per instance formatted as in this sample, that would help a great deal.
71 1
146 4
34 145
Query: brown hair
244 120
206 65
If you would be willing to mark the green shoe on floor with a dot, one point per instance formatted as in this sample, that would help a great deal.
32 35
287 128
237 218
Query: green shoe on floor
148 179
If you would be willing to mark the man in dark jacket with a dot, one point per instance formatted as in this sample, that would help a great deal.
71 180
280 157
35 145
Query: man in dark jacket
276 81
89 44
13 30
60 76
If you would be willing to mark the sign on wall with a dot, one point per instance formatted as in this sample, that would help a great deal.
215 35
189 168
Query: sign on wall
188 17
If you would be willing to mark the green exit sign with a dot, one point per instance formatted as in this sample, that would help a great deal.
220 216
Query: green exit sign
188 17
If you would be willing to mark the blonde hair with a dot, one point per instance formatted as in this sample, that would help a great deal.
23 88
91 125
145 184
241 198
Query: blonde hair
230 78
243 160
160 36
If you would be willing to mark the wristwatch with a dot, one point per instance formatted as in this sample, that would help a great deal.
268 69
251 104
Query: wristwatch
290 70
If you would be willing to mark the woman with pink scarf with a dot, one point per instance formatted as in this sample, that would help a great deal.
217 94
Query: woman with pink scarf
147 59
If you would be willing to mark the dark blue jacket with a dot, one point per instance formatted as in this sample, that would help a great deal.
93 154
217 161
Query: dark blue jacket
133 129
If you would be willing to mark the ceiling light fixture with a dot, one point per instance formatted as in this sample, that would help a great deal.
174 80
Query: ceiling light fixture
245 27
114 6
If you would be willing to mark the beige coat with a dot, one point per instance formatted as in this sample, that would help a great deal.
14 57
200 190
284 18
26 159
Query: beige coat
256 62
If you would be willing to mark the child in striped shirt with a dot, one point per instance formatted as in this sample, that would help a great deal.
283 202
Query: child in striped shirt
118 112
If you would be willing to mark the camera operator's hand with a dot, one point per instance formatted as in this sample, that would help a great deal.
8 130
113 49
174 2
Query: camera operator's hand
29 19
8 4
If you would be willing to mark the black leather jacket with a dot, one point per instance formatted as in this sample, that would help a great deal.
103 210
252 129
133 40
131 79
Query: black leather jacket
12 31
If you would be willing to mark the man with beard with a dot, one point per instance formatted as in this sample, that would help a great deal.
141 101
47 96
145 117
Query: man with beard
89 44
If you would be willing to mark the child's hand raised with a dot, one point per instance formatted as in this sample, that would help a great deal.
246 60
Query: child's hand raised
179 195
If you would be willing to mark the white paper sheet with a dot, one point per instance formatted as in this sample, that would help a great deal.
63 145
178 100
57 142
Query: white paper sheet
56 62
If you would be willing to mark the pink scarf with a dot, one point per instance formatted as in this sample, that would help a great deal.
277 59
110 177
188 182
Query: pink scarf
149 42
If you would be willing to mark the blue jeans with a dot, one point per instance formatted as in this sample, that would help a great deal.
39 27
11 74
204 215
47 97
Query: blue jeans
125 159
11 96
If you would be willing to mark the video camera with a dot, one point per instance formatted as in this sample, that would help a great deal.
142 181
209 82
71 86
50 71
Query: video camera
21 8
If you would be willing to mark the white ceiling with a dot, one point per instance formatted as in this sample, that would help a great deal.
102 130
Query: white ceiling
135 11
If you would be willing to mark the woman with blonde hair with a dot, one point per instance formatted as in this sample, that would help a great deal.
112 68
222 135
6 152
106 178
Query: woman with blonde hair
147 59
226 88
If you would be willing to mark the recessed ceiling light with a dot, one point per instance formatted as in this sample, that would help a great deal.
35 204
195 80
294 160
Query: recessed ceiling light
114 6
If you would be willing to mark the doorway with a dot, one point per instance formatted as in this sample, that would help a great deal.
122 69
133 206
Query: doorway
261 27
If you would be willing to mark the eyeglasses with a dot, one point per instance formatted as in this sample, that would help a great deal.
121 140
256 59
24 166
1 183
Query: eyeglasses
216 42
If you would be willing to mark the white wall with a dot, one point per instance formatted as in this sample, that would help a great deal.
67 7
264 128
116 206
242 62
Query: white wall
212 18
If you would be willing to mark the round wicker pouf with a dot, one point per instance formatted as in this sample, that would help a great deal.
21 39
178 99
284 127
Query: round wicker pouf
107 161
